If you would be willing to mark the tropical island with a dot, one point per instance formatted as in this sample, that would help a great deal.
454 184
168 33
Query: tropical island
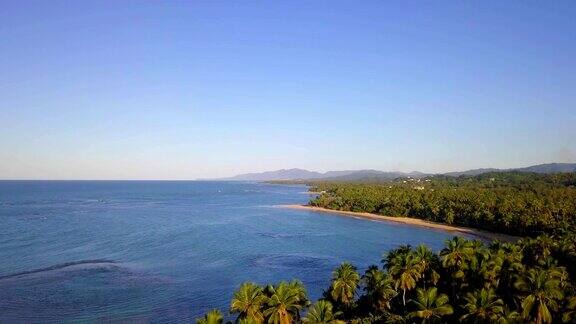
527 280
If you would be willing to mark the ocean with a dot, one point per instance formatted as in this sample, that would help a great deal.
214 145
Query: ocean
168 251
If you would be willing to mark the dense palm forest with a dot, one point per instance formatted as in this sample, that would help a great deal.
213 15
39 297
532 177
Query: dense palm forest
530 281
524 204
527 281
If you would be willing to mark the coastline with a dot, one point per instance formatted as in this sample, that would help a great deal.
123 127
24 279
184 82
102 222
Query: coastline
411 221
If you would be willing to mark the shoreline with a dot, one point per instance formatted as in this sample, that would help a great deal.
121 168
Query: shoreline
411 221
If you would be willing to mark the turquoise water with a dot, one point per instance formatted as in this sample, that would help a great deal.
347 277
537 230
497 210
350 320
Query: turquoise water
148 251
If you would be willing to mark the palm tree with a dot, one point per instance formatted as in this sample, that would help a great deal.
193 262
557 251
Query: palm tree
480 263
537 250
570 313
456 255
345 281
483 307
542 293
322 312
406 271
430 306
298 287
283 304
490 269
393 254
212 317
379 288
509 316
427 261
503 268
248 301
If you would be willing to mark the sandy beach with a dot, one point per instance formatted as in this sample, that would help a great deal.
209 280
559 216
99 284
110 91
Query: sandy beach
412 221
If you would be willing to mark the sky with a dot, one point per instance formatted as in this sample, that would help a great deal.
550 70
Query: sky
194 89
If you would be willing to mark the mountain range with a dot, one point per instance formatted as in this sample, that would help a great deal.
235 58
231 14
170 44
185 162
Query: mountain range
358 175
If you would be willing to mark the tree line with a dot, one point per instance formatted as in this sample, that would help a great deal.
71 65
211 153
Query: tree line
514 203
467 281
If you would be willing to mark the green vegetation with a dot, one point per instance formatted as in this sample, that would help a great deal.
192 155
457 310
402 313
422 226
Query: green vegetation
467 281
523 204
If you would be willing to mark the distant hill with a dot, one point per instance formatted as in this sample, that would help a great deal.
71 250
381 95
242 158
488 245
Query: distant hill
375 175
300 174
284 174
540 168
472 172
550 168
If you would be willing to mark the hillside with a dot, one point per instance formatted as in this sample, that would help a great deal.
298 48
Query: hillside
376 175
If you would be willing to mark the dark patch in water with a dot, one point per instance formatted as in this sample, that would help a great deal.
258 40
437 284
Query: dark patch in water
59 267
292 261
280 235
290 235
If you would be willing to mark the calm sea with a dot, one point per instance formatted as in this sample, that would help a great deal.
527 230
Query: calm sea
147 251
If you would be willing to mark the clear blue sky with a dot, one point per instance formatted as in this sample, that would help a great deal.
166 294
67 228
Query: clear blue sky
180 90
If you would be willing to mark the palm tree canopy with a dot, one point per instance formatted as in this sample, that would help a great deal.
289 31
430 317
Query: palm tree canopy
483 306
427 261
542 292
298 288
570 314
379 288
284 303
345 281
430 305
405 270
456 254
321 312
212 317
389 257
248 301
